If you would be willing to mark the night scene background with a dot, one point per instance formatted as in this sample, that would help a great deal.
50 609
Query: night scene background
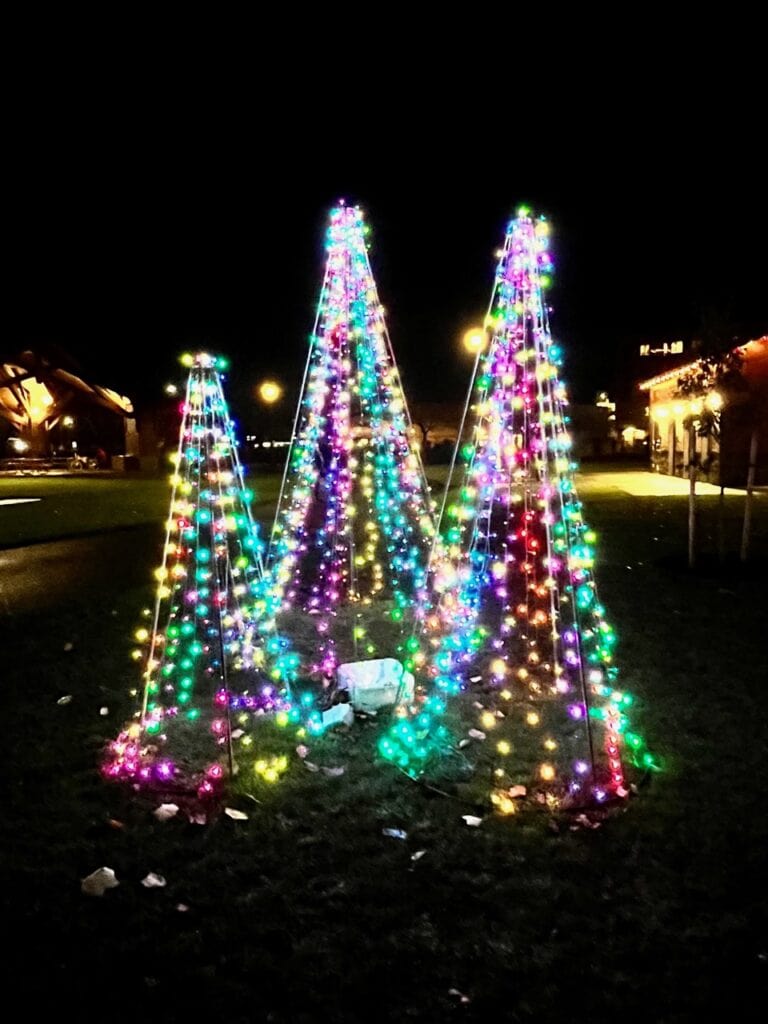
137 230
164 194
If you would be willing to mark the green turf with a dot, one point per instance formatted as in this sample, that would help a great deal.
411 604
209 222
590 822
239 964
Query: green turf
69 506
306 912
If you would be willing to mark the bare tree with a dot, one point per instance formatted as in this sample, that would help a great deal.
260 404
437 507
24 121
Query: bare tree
425 427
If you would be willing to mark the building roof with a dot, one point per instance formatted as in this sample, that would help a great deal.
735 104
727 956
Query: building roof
678 371
32 389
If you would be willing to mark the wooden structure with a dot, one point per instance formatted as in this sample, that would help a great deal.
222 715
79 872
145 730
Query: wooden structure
37 397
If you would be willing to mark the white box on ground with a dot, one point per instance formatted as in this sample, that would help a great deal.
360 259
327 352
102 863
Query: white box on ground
375 684
339 714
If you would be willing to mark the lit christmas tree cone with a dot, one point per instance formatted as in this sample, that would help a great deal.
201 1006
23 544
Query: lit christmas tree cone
513 604
354 526
196 649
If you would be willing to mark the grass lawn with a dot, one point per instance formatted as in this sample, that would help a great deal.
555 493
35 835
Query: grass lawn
306 912
70 505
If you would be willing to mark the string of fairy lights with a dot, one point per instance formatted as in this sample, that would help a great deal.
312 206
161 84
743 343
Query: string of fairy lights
211 575
499 604
514 601
354 523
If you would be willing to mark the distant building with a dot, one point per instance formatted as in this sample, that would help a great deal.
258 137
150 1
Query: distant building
722 459
48 413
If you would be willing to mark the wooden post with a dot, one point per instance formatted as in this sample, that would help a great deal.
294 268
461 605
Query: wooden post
721 526
748 499
692 496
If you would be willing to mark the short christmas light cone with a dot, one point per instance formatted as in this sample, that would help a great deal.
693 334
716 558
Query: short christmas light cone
354 524
196 647
515 608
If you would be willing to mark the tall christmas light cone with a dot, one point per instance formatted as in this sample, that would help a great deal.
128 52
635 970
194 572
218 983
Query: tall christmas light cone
196 646
354 526
515 608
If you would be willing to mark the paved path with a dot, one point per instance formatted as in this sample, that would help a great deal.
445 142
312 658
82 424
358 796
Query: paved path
40 576
642 484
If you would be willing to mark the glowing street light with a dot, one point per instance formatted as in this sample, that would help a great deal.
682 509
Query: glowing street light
474 340
171 389
270 391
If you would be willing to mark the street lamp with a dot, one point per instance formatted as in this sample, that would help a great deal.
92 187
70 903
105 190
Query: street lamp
270 391
474 340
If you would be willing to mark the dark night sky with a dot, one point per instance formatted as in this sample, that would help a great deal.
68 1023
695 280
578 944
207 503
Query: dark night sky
142 226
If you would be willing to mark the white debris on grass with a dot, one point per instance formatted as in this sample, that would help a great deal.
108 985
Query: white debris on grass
153 881
394 833
97 883
166 811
